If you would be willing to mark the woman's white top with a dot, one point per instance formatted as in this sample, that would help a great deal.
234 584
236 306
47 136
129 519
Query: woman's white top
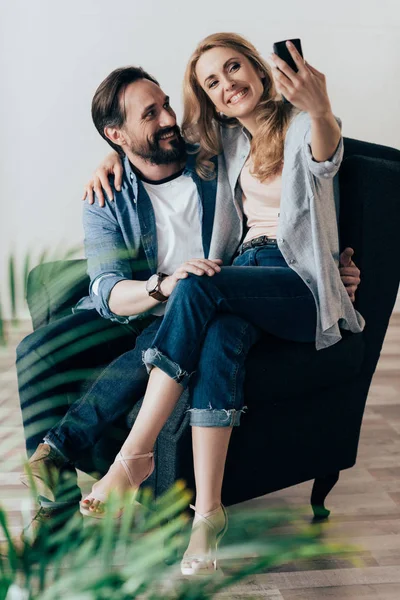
261 202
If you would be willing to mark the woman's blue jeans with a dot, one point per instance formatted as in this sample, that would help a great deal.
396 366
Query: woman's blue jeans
230 310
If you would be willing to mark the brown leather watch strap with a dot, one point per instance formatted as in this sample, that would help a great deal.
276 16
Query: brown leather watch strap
157 293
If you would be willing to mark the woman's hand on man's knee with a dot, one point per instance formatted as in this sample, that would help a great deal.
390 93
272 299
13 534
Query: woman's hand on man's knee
196 266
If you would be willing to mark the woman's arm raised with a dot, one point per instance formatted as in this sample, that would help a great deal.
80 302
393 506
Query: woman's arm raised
306 90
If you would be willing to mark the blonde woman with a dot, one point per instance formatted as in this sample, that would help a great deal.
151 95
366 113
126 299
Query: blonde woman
278 161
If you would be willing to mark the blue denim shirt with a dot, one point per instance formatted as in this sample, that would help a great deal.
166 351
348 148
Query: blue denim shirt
121 238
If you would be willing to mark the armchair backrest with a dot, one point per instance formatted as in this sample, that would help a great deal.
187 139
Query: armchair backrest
354 147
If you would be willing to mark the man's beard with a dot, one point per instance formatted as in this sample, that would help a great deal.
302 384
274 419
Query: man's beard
154 154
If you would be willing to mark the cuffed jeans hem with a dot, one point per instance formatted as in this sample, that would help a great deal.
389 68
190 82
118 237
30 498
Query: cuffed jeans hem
73 499
52 441
154 358
213 417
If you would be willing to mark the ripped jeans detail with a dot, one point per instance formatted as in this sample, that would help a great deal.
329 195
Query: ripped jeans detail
213 417
154 358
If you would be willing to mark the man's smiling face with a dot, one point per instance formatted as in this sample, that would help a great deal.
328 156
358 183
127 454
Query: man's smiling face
150 130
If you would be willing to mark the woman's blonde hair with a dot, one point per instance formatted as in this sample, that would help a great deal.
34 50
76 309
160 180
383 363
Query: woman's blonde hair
201 122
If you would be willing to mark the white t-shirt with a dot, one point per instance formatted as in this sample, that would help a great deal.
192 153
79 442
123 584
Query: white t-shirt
175 203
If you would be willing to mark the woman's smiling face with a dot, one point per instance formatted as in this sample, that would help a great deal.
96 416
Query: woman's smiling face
231 82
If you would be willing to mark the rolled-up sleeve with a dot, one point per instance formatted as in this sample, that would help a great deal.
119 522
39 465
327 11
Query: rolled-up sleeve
328 168
108 258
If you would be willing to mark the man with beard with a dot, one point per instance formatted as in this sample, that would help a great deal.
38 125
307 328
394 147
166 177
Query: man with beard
161 217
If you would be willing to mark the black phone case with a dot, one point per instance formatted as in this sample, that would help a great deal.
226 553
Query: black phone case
282 51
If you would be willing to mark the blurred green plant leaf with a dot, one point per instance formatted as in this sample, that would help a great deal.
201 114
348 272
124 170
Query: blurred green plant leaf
139 555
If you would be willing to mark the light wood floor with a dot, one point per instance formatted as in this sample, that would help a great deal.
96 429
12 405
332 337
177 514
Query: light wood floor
365 504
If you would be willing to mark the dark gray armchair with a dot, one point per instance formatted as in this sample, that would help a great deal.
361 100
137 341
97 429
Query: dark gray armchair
305 407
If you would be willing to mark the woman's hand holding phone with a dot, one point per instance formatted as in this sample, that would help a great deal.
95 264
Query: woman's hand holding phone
306 89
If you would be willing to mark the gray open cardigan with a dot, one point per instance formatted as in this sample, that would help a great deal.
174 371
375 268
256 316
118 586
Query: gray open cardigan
308 223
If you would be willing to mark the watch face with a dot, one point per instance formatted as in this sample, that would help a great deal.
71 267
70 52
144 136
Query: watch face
152 283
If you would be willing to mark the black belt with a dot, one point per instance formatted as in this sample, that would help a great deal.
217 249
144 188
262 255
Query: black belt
262 240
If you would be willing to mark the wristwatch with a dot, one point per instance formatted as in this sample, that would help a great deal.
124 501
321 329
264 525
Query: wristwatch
153 287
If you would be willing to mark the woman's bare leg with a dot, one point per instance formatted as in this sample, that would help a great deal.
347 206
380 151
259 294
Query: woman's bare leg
210 447
160 399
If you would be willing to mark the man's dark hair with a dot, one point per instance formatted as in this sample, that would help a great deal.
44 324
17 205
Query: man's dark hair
107 108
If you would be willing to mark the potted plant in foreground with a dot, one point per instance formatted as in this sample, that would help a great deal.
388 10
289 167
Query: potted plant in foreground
138 556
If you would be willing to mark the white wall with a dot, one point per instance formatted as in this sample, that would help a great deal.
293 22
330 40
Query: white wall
54 54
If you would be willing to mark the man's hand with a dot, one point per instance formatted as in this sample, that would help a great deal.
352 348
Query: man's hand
197 266
349 272
111 165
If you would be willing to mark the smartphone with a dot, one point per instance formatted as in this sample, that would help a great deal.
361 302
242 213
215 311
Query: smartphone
282 51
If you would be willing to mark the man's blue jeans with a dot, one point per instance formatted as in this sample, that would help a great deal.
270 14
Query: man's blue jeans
115 391
264 292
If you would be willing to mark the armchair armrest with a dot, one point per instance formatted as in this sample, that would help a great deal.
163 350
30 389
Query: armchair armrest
54 288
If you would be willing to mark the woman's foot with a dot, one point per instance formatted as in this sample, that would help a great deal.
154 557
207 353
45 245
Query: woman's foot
125 475
207 531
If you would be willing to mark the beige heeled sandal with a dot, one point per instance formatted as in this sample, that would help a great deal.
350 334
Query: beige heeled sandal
102 497
216 524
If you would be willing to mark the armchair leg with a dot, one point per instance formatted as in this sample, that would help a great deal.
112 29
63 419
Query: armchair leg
322 487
